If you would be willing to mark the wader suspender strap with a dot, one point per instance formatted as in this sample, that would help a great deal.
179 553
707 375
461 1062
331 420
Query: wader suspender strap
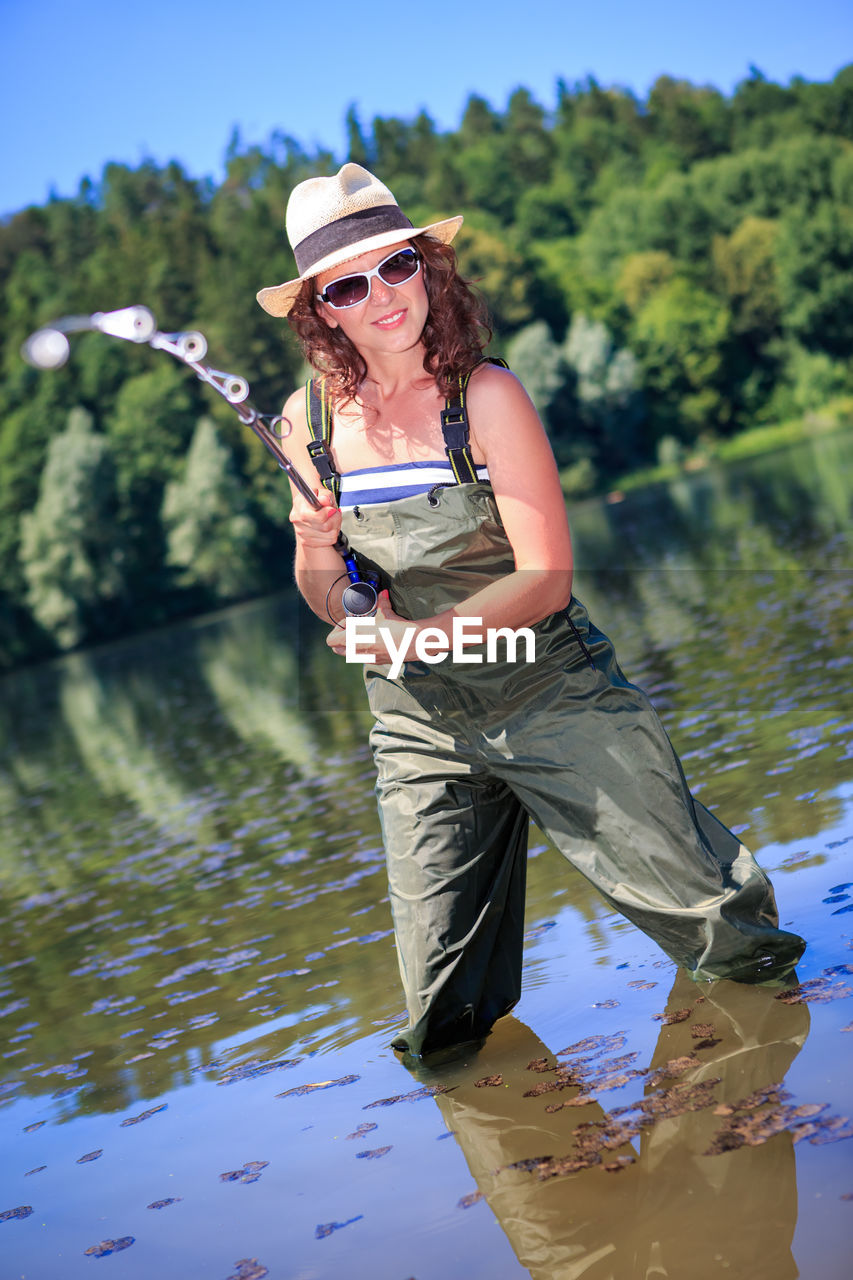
454 427
320 425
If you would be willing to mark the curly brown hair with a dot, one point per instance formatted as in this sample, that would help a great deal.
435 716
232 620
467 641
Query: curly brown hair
456 331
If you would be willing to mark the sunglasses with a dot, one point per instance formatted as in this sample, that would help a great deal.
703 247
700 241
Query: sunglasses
349 291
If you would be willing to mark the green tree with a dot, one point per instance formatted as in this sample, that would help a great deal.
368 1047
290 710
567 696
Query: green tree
810 380
357 150
71 552
749 277
546 211
680 337
538 361
815 263
610 405
695 120
761 110
210 535
642 274
529 145
150 430
489 259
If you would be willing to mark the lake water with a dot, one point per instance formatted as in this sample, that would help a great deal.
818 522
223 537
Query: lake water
198 982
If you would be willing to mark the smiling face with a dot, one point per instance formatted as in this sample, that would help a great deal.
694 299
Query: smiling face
392 317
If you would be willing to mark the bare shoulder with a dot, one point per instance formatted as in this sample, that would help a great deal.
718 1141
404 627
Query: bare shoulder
296 433
500 409
295 413
508 433
494 387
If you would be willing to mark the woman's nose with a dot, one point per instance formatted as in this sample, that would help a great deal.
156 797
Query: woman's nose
380 292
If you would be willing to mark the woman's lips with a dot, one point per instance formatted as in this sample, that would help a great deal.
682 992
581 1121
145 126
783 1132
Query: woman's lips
391 320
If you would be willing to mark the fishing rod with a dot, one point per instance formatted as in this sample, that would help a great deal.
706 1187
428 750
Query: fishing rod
49 348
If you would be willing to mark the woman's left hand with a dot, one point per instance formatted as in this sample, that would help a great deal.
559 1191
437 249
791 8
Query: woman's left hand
393 627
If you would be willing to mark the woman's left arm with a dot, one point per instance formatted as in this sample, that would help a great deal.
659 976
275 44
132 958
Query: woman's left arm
507 434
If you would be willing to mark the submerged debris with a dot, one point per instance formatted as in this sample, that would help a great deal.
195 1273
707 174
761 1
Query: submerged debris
326 1228
596 1138
109 1246
594 1045
372 1155
249 1269
764 1113
312 1088
164 1204
539 930
564 1078
669 1019
769 1093
428 1091
614 1072
587 1071
675 1101
675 1067
366 1127
145 1115
817 990
580 1100
250 1172
22 1211
609 1073
249 1070
551 1166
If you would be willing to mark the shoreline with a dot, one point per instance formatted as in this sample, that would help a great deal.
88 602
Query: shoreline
834 418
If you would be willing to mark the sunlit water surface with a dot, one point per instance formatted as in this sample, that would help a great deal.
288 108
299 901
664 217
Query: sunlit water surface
197 973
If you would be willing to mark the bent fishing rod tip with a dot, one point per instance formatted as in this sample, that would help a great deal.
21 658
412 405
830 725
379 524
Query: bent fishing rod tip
49 348
46 349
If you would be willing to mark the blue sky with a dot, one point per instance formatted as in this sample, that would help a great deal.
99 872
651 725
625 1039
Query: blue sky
99 80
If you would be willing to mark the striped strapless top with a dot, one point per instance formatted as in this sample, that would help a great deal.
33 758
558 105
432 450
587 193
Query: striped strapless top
372 485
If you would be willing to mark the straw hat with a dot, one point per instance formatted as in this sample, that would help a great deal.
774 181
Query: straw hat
332 220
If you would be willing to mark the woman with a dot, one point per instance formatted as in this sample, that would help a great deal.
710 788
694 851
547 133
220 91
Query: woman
444 484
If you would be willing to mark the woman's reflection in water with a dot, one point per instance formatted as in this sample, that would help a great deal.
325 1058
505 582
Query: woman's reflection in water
667 1208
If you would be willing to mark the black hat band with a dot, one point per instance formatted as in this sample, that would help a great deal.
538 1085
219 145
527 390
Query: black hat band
346 231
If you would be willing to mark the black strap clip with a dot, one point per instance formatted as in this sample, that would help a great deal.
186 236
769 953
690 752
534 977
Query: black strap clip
322 459
454 426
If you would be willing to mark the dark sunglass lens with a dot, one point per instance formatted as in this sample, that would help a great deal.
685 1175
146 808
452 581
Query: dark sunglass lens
401 267
347 292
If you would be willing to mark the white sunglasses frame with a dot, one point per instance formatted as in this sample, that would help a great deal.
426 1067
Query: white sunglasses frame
369 275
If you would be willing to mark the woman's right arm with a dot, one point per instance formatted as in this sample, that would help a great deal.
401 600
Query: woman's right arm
317 565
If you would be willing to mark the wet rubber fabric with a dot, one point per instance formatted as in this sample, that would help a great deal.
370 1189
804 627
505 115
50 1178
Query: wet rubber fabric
467 753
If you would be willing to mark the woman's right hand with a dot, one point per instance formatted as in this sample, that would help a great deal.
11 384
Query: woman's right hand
316 527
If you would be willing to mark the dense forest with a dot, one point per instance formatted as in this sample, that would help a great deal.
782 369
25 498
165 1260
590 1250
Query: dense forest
662 272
